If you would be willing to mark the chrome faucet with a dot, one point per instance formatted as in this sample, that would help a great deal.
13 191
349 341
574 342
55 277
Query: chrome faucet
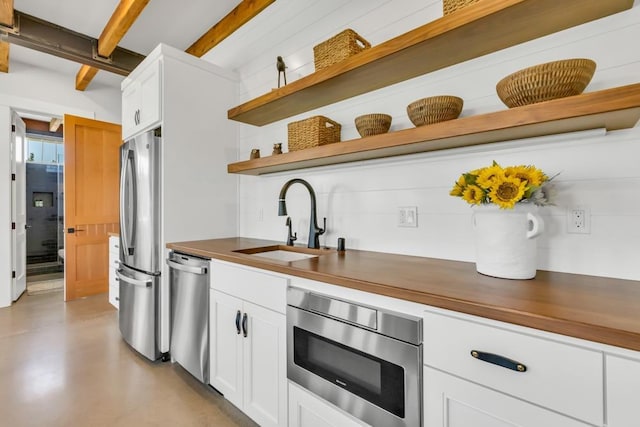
314 231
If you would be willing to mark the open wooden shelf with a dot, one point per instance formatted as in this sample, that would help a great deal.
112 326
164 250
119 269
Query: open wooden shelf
617 108
479 29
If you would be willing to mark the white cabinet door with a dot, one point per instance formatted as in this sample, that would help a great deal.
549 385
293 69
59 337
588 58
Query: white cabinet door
114 284
225 346
131 98
454 402
623 392
309 410
150 96
250 371
142 101
265 384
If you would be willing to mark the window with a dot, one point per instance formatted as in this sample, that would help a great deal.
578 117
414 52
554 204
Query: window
45 150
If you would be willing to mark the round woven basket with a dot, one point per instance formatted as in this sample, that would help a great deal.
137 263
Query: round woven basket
544 82
434 109
373 124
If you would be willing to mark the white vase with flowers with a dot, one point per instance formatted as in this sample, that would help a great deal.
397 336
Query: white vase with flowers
506 223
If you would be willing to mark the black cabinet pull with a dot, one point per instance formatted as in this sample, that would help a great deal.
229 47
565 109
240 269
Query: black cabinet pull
245 331
496 359
238 314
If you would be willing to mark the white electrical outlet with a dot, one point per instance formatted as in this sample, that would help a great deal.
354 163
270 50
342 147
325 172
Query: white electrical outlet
260 214
408 216
579 220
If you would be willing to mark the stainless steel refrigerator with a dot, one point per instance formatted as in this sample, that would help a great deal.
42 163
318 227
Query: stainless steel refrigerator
140 245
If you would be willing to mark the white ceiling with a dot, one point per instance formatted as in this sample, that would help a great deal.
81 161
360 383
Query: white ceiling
177 24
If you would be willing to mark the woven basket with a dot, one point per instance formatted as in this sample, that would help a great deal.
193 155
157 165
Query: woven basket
338 48
449 6
312 132
544 82
373 124
434 109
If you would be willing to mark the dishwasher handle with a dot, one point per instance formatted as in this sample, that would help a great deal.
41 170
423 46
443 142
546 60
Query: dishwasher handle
132 281
186 268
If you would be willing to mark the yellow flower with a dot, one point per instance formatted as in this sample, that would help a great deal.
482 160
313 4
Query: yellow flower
458 187
489 175
473 194
507 191
534 176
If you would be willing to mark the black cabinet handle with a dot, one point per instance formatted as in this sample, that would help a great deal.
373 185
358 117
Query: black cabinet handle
238 314
245 331
496 359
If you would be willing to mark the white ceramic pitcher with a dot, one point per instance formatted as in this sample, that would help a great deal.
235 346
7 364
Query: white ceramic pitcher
506 241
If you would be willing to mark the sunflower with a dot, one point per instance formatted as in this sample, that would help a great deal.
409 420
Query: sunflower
534 176
458 187
473 195
487 176
507 191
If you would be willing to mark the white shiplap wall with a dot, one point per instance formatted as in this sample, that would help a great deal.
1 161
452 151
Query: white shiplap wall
598 170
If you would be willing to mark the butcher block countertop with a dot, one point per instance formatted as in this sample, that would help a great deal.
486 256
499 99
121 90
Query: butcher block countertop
593 308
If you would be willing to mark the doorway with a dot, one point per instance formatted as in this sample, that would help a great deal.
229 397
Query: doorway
44 207
44 175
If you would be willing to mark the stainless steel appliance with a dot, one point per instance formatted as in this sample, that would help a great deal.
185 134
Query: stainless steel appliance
189 279
141 293
365 360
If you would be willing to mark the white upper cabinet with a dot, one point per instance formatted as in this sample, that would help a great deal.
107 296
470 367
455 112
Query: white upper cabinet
142 100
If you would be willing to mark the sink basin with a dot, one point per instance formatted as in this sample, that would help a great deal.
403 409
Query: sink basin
284 253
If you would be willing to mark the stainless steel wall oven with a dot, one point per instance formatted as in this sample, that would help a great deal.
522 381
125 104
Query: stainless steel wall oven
365 360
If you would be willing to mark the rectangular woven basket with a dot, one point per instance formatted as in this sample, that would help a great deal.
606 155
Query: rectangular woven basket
449 6
312 132
338 48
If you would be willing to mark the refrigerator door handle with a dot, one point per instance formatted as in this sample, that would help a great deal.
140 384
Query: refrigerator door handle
128 244
123 185
186 268
132 281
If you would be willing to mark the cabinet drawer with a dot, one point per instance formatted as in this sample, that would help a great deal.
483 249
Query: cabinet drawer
113 260
114 292
562 377
264 289
114 245
113 280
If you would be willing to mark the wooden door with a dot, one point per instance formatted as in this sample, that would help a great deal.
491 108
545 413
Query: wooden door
91 211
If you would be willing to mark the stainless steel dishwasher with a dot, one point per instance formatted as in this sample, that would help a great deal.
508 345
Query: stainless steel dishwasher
189 280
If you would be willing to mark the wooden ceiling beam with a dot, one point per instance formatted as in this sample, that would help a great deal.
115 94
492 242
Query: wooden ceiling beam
54 124
6 19
240 15
121 20
6 13
4 57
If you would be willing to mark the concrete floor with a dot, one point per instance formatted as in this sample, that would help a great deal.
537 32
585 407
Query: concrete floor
65 364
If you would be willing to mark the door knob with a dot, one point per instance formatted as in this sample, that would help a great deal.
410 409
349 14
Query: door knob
73 230
27 226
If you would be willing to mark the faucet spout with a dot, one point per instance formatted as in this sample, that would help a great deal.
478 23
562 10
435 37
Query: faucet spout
314 231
